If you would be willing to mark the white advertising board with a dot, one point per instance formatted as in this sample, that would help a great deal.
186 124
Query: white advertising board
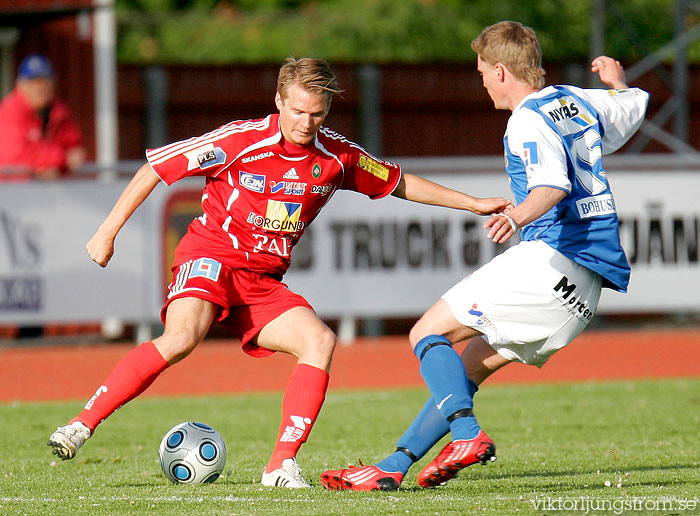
391 257
360 258
45 272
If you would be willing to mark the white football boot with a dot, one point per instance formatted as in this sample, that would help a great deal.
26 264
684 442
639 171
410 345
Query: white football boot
67 440
289 476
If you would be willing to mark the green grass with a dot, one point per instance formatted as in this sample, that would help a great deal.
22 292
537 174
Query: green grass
559 441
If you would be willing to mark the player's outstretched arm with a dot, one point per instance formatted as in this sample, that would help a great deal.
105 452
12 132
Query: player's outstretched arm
418 189
610 72
101 246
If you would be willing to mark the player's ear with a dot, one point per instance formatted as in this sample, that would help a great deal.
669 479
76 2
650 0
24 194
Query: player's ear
500 71
278 101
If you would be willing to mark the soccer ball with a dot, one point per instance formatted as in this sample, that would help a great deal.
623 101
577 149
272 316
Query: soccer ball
192 453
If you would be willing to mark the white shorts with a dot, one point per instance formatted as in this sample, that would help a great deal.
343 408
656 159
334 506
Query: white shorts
529 301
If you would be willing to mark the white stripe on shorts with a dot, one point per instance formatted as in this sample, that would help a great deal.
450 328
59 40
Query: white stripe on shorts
183 273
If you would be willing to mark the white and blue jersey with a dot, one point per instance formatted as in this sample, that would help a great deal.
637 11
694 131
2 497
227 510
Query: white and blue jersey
556 138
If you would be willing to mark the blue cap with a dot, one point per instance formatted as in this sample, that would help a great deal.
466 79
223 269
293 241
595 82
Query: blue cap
35 66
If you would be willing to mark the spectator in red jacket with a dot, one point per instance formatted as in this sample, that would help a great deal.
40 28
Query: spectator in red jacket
38 136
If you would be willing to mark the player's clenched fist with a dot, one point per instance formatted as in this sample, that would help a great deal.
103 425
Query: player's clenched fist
100 248
610 71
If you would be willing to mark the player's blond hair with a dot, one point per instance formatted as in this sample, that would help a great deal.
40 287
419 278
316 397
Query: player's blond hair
311 74
516 47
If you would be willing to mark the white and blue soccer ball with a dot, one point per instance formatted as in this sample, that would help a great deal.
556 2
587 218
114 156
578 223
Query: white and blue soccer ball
192 453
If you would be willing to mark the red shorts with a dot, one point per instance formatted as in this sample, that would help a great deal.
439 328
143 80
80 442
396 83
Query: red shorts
248 301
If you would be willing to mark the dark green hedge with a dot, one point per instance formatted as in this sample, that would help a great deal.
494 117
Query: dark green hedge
258 31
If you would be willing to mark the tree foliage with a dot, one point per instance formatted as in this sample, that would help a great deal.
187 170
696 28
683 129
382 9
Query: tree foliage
255 31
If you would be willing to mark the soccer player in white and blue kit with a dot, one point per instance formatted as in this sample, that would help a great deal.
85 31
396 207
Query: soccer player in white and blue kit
536 297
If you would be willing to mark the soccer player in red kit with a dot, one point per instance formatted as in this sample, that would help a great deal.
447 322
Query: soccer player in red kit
266 180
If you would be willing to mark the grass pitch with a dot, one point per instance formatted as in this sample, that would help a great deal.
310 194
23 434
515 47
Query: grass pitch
593 448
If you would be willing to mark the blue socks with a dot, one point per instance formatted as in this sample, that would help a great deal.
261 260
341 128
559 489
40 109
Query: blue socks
397 461
427 428
443 372
438 363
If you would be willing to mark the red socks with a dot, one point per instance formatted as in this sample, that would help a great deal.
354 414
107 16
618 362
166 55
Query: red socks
131 376
303 398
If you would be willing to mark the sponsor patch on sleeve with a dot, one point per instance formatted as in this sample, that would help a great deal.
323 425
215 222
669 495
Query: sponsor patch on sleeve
373 167
615 93
205 157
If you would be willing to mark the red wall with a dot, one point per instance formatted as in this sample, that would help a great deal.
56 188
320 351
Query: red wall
427 110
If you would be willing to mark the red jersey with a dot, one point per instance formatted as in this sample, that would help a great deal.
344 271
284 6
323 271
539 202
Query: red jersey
25 145
261 191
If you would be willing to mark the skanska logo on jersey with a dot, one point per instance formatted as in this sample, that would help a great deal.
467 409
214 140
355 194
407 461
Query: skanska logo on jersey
252 182
263 155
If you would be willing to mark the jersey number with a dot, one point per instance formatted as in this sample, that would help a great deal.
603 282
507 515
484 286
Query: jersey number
588 162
